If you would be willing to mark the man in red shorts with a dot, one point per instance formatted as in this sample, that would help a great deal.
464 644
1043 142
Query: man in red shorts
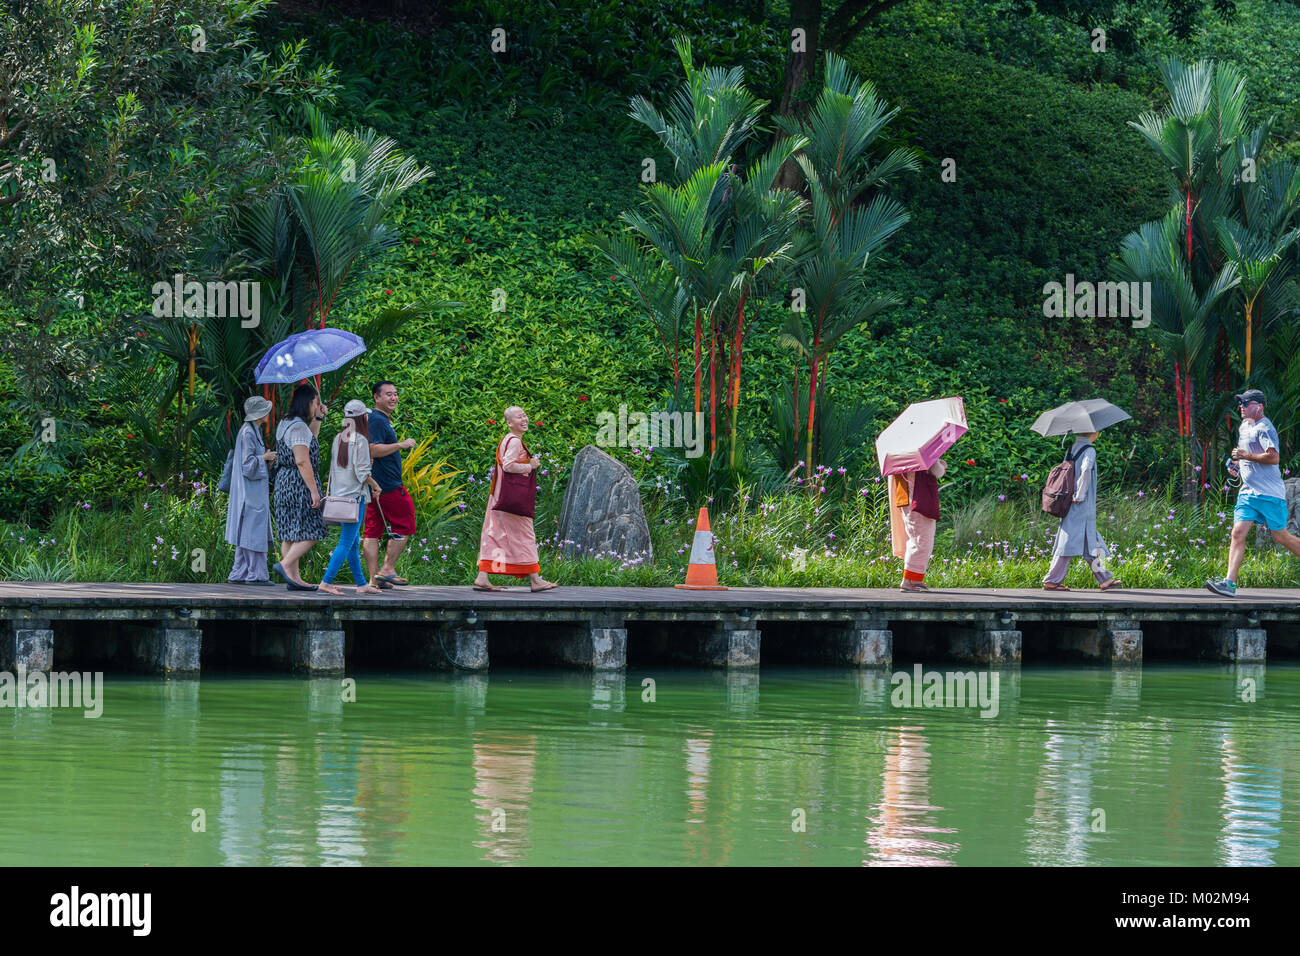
395 506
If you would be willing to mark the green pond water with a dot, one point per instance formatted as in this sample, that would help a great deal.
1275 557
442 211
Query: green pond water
1152 766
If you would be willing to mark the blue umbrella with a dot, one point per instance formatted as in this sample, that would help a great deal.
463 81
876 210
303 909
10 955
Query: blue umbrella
306 354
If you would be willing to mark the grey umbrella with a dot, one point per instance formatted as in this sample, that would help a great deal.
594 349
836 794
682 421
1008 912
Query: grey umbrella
1089 415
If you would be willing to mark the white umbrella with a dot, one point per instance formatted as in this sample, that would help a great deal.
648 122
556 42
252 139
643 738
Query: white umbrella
1089 415
916 439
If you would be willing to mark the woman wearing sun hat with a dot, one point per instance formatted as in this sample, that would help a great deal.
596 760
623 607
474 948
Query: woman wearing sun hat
248 512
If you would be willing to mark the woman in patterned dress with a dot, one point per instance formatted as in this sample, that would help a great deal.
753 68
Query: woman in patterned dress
297 486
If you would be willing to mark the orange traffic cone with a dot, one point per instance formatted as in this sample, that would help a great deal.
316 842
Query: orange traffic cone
702 573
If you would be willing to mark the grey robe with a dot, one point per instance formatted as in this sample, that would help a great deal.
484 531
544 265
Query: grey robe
248 513
1078 534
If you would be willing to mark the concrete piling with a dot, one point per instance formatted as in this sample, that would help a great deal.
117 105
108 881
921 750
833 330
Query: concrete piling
168 650
28 644
732 642
318 652
866 641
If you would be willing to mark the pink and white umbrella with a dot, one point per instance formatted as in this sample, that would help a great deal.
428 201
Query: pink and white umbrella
916 439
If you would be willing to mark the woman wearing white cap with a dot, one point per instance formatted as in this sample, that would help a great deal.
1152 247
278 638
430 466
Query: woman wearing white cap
350 478
248 512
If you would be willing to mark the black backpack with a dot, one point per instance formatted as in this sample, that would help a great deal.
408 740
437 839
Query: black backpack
1058 493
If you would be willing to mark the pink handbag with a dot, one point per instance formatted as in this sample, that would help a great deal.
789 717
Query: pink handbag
339 509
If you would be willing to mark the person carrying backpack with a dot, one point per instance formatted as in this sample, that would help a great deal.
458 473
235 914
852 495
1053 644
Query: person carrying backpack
1078 535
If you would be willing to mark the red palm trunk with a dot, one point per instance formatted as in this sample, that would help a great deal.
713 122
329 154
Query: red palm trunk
698 334
1178 397
713 388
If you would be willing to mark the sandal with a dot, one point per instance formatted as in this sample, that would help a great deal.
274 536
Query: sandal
1052 586
545 587
1112 583
393 579
368 589
488 587
328 589
381 584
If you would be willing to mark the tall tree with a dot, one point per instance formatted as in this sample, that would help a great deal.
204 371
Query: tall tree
851 220
712 247
131 135
1220 261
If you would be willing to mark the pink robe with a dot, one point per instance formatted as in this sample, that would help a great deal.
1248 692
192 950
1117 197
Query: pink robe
508 544
911 533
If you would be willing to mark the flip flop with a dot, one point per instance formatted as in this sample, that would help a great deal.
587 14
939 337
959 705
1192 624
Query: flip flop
490 587
544 587
1112 583
382 584
1055 587
393 579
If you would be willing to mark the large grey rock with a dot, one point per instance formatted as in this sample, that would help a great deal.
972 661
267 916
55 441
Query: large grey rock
602 509
1263 539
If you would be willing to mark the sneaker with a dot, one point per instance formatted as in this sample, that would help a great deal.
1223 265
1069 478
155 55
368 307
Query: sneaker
1225 587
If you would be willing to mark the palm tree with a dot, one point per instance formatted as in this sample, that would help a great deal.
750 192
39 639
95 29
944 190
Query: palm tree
309 244
710 248
1205 116
842 237
1183 316
1258 235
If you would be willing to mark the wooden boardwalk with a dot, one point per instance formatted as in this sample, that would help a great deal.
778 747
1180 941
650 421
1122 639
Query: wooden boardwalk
856 624
59 598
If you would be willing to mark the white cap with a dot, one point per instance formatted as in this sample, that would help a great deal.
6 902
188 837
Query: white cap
355 408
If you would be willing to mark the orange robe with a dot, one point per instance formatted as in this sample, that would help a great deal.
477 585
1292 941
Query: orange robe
508 544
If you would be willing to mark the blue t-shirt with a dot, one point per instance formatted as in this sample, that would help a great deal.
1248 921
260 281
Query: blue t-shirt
387 470
1257 479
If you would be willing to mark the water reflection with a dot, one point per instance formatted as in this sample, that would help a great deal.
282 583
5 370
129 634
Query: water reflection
241 818
565 768
1252 809
698 751
904 823
1125 689
742 691
469 691
1061 823
608 695
504 766
1248 682
873 687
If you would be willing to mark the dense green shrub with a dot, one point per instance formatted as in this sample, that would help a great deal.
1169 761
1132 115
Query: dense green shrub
533 153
